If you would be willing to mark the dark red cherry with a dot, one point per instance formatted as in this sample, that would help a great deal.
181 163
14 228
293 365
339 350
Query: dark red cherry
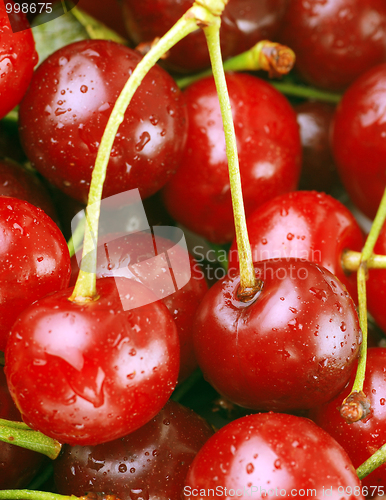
17 465
361 439
358 139
290 348
18 58
151 462
269 149
18 182
34 260
65 111
272 455
335 41
87 373
151 259
318 167
243 23
305 225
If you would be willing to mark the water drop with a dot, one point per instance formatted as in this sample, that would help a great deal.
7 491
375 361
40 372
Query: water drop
143 140
122 468
250 468
84 89
290 236
277 464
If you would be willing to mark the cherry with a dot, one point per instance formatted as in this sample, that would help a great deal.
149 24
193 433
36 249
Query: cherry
94 371
136 254
18 58
376 285
318 167
34 260
151 462
360 439
244 23
65 111
289 348
17 465
344 39
17 182
358 139
305 225
267 135
272 455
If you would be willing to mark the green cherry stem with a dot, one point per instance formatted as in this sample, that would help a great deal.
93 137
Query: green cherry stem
295 90
197 15
20 434
95 29
356 406
46 495
248 283
269 56
377 459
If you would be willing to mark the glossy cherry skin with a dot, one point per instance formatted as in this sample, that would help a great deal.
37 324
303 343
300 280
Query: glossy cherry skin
376 285
269 149
151 462
17 465
361 439
304 225
344 39
18 182
119 256
243 23
318 167
357 139
34 260
272 455
93 372
66 109
290 348
18 58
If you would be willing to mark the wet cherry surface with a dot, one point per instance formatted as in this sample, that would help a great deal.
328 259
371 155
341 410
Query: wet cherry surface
86 373
66 109
289 348
150 463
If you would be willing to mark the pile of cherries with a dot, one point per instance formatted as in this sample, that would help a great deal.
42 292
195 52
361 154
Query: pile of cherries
101 349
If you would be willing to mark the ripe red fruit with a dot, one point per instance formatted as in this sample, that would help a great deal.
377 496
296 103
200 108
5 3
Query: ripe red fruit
344 39
290 348
87 373
18 58
361 439
358 139
305 225
151 462
272 455
269 151
243 23
34 260
376 285
66 109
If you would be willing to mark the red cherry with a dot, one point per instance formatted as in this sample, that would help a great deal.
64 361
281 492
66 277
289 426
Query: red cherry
18 58
290 348
272 455
243 23
343 39
136 253
306 225
34 260
376 285
65 111
93 372
269 150
358 139
361 439
151 462
17 465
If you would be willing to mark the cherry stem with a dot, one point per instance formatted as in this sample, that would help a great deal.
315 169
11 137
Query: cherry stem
197 15
377 459
269 56
95 29
365 258
75 242
294 90
351 261
19 434
46 495
247 271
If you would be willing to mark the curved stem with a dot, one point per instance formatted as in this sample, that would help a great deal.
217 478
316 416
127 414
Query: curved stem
27 438
247 271
294 90
33 495
377 459
269 56
85 288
